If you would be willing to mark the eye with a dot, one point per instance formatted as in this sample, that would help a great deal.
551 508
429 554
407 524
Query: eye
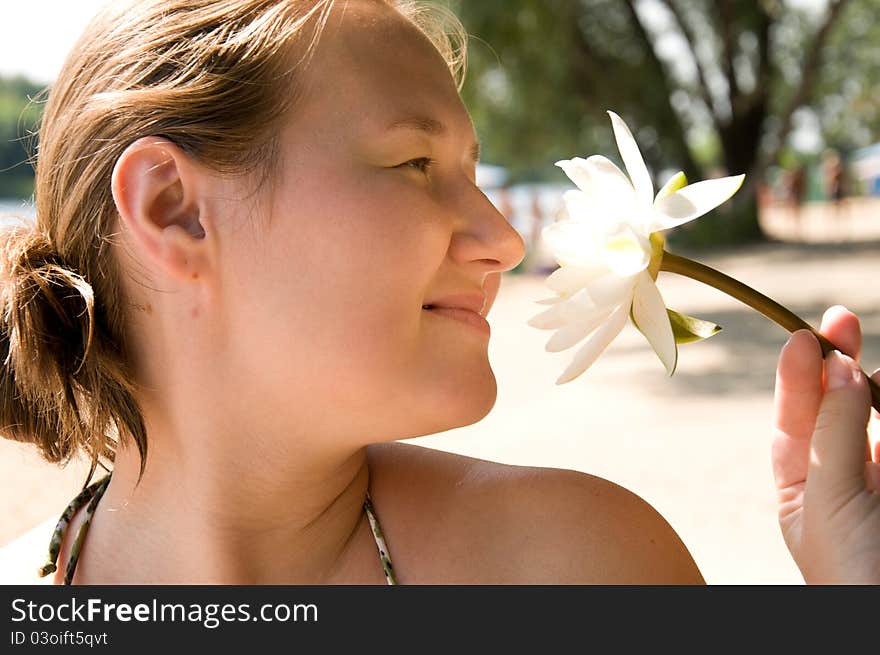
423 164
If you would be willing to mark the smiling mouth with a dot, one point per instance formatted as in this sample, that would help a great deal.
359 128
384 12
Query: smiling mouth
461 315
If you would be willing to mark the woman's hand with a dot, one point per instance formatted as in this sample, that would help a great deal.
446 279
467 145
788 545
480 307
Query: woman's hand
827 470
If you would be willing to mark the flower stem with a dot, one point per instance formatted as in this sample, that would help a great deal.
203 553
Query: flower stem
770 308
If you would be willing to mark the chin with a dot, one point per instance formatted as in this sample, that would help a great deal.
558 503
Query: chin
470 402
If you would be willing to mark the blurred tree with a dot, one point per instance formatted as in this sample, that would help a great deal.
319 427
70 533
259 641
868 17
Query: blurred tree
846 106
708 86
18 119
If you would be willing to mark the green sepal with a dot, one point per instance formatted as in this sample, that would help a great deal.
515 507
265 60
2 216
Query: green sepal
687 329
675 183
658 243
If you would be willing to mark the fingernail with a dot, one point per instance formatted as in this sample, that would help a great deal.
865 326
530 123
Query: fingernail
791 338
840 371
836 308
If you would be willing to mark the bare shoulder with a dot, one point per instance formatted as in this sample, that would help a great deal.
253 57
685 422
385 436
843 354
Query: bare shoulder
458 519
583 529
20 558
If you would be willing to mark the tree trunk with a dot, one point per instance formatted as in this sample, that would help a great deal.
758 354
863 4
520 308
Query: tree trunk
741 140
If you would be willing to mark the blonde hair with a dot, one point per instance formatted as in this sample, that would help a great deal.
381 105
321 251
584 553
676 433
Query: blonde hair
215 78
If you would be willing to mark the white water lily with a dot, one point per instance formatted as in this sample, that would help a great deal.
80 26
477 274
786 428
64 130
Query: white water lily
609 250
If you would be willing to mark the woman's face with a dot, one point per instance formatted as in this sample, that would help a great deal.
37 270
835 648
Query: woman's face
329 299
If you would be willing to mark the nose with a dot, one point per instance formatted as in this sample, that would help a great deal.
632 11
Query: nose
485 237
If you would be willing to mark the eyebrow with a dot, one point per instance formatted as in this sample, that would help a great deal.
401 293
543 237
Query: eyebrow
432 127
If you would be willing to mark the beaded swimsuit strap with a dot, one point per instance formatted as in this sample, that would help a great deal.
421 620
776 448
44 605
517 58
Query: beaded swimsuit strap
92 494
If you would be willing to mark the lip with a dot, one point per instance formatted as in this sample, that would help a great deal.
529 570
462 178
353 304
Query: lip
464 316
471 301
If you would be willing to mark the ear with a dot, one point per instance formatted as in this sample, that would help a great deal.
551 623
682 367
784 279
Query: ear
159 194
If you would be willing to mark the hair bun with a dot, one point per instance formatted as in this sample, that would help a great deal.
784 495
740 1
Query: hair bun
46 332
48 311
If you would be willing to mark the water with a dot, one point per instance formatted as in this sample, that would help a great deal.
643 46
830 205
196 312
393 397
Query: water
10 208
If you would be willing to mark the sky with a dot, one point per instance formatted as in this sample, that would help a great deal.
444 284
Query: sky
35 35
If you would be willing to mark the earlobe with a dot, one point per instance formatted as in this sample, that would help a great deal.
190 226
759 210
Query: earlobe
157 191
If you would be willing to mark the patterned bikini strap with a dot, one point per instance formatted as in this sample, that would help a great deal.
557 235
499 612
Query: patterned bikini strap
380 541
91 495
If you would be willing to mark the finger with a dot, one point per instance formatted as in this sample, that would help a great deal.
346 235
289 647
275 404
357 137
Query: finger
874 426
837 454
797 398
841 327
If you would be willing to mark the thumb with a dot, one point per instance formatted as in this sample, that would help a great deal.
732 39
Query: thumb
840 437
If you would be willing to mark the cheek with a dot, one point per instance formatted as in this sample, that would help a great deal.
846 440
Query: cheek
389 237
343 276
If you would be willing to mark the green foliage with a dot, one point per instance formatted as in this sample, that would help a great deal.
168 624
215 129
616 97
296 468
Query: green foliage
707 86
846 96
20 112
535 98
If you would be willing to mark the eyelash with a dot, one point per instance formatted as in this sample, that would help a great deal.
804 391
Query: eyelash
425 164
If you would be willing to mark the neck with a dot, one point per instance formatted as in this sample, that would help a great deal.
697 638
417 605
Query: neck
231 518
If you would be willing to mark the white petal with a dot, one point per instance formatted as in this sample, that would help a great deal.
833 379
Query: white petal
626 252
695 200
581 307
577 309
569 335
612 190
577 172
572 243
596 344
580 206
602 220
549 319
566 337
568 279
652 320
632 158
611 289
549 301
